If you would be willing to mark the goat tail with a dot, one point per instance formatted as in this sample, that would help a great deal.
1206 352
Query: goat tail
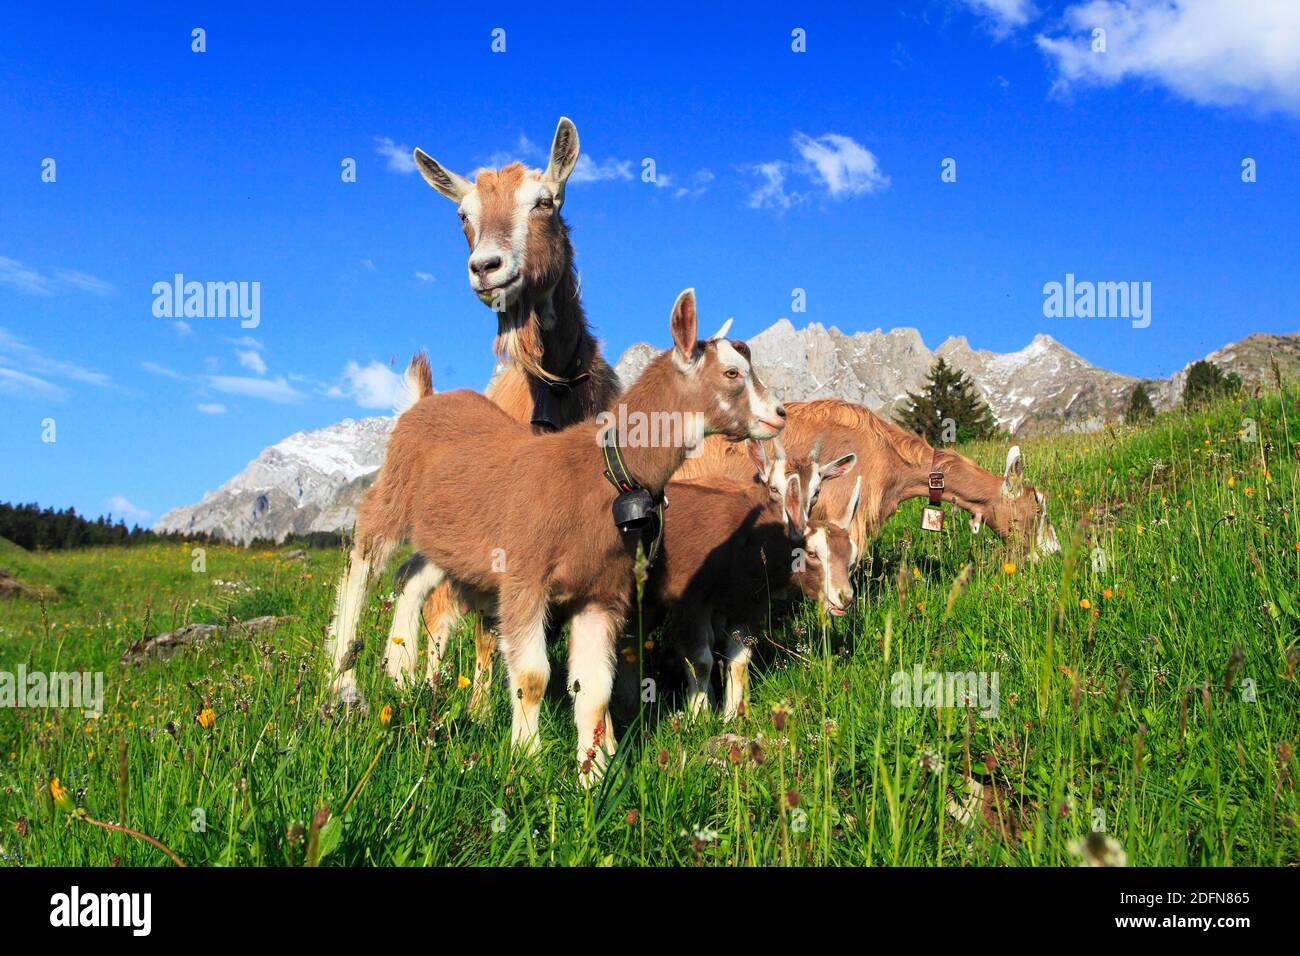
418 381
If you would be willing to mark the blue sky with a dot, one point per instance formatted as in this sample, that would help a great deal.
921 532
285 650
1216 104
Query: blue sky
777 170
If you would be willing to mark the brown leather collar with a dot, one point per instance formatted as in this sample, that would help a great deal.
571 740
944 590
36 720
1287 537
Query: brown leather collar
936 480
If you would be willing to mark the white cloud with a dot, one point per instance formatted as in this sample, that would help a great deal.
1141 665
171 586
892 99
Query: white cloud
19 383
589 171
525 151
368 265
371 386
29 364
120 507
269 389
252 360
837 164
1004 16
162 370
84 282
1211 52
211 408
426 277
182 327
771 194
696 184
401 158
26 279
843 166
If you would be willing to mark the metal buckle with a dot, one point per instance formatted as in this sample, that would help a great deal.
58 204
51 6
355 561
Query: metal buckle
936 481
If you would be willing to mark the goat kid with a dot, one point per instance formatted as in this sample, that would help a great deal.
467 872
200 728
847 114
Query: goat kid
526 518
730 541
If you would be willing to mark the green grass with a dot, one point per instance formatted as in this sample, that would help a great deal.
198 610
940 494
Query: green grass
1132 712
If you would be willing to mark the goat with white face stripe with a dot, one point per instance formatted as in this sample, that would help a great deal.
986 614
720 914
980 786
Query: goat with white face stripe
777 471
511 219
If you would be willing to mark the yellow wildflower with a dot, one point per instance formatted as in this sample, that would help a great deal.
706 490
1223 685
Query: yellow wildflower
462 681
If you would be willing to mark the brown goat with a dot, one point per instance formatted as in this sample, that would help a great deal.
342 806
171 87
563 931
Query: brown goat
553 374
896 466
728 542
526 518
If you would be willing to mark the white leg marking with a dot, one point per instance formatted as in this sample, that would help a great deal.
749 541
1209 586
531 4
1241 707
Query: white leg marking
404 634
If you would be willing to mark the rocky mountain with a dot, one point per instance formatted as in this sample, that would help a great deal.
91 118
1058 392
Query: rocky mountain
313 480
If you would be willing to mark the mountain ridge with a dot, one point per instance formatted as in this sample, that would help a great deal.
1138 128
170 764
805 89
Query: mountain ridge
313 480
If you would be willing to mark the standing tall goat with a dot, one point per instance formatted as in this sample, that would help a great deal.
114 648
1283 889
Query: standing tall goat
552 375
527 518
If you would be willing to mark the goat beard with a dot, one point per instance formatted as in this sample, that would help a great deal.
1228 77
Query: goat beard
519 341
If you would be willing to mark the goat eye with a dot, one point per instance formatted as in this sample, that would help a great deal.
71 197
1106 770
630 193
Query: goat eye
546 202
463 217
732 373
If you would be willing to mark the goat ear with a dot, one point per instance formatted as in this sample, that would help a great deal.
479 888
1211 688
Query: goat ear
440 178
564 153
793 505
1013 478
840 466
684 326
852 509
758 456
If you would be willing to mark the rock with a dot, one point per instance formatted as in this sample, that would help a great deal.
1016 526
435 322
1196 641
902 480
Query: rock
164 646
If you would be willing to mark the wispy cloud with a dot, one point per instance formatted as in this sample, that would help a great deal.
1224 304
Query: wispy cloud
771 193
426 277
19 383
1211 52
157 369
1003 17
182 327
371 386
252 360
276 390
211 408
119 506
590 171
28 366
400 157
32 281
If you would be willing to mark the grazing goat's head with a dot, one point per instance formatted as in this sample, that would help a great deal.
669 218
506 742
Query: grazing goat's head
718 377
511 216
779 471
1019 515
829 556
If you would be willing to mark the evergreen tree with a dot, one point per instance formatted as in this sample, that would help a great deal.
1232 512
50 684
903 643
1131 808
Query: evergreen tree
1206 382
948 409
1139 405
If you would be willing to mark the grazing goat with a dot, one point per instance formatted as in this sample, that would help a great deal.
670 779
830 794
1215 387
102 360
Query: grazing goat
895 466
526 518
727 544
552 374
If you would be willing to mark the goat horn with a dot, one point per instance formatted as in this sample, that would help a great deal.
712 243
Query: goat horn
721 333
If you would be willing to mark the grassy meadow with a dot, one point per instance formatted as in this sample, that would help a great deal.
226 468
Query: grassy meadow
1147 688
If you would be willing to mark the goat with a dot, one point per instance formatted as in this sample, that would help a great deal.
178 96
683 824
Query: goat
526 518
728 542
552 373
896 466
